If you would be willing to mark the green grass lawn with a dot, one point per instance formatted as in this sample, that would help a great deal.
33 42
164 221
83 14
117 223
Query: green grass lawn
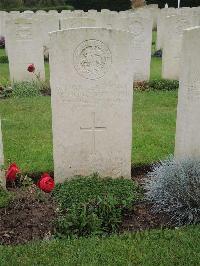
164 247
28 137
2 52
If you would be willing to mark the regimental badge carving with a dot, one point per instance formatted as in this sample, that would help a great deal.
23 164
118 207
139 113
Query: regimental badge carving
92 59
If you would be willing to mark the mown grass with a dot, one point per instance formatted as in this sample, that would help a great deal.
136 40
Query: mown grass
164 247
2 52
27 130
154 122
27 134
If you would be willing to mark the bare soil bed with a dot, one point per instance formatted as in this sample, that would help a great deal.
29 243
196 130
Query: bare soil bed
29 219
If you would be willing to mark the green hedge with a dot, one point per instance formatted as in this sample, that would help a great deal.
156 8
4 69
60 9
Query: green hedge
174 3
12 5
34 9
116 5
30 3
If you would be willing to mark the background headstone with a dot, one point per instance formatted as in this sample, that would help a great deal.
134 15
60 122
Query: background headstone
77 22
91 82
24 47
140 25
3 16
163 14
175 25
154 11
46 23
188 111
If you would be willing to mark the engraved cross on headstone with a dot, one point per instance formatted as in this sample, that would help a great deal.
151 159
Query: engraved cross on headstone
93 129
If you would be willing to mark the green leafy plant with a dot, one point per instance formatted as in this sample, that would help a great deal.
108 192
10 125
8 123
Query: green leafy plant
92 205
5 92
163 85
5 198
26 89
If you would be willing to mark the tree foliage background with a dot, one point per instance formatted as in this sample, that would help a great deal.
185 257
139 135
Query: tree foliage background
174 3
77 4
91 4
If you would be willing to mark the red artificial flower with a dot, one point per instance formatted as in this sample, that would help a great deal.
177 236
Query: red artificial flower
31 68
12 172
46 183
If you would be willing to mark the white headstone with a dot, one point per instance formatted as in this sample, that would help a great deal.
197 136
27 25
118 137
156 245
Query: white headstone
92 13
46 23
175 26
14 13
77 22
3 16
66 13
79 13
188 112
53 12
106 19
161 25
24 48
140 25
196 15
91 82
154 10
43 12
28 12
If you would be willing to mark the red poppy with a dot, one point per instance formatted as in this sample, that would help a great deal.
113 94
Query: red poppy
31 68
12 172
46 183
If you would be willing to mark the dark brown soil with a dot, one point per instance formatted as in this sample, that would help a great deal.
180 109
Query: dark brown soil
28 219
142 218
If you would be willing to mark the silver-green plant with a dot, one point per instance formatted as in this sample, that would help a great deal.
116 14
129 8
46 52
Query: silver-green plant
173 187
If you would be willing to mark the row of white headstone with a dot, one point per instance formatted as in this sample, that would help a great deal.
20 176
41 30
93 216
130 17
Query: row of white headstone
26 36
91 81
171 24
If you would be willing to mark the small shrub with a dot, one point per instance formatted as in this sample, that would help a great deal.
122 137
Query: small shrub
26 89
163 85
5 92
92 205
154 85
2 42
174 188
5 198
3 59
